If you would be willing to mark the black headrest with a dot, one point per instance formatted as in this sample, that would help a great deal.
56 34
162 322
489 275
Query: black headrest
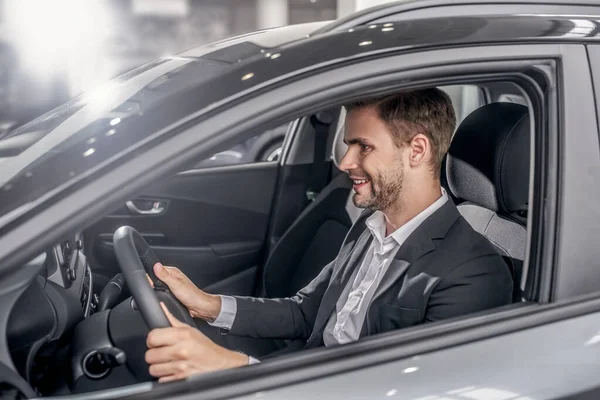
488 160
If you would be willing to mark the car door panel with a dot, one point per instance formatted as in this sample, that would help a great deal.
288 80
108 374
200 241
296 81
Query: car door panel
212 224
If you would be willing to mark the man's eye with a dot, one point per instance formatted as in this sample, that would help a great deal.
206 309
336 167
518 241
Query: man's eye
365 147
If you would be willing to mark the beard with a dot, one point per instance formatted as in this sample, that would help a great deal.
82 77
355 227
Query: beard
386 189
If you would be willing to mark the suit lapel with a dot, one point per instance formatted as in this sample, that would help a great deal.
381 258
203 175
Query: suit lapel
350 241
419 243
409 252
340 279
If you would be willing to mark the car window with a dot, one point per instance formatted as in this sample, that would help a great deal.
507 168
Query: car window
99 127
264 147
465 99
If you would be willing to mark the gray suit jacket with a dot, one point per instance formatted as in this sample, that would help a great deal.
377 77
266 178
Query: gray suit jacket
444 269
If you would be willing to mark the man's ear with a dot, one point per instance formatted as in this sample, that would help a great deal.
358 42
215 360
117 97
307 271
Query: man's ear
420 150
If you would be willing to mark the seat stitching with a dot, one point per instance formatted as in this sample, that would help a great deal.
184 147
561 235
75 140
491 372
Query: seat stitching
489 222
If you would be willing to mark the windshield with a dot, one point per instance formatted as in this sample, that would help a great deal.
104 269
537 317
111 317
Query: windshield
93 129
68 141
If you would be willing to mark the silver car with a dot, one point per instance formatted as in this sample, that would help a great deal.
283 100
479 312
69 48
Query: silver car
133 154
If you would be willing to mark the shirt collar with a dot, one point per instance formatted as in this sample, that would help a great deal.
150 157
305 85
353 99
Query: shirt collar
376 224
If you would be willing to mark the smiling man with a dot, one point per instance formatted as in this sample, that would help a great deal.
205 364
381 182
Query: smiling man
409 259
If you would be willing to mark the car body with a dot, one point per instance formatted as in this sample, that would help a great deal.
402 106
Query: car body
66 177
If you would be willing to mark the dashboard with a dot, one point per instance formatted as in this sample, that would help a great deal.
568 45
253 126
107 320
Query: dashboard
68 268
65 339
43 318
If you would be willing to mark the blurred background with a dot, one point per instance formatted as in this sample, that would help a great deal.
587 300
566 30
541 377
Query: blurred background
53 50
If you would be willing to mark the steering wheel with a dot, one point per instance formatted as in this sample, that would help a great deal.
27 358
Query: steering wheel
137 259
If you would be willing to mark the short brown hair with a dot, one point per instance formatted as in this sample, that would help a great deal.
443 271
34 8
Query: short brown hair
426 111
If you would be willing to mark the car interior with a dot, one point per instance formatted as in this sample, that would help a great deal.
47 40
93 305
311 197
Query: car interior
264 229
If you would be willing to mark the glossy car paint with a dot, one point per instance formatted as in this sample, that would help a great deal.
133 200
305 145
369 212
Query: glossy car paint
557 359
201 82
552 361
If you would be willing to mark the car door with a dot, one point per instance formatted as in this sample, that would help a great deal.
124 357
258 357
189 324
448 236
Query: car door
210 221
486 356
531 352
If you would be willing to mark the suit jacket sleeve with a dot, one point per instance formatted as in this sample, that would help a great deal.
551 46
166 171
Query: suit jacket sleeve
476 285
285 318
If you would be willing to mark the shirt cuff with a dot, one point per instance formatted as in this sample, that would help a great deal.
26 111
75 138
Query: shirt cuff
252 360
227 314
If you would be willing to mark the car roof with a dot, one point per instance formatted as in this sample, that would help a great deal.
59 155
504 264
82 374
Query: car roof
439 8
262 40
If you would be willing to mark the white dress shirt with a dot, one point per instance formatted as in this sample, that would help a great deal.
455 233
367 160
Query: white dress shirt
346 322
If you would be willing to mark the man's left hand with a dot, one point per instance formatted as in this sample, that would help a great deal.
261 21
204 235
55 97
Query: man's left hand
180 351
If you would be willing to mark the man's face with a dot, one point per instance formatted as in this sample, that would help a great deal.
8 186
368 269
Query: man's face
373 161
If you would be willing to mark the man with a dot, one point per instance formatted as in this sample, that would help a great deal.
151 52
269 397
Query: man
409 259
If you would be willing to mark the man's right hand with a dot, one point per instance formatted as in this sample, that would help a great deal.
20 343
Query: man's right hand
199 303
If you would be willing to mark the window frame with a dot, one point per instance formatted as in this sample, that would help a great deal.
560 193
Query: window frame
256 145
578 170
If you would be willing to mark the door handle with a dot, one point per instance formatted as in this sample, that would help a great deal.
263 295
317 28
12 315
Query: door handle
157 208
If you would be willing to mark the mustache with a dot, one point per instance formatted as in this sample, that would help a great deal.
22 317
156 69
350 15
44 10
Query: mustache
362 175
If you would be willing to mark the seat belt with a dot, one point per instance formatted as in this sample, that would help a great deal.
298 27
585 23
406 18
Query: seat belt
321 122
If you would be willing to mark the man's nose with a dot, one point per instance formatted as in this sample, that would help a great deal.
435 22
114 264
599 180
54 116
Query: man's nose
348 162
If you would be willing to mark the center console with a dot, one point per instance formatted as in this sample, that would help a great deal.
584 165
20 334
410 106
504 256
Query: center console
69 269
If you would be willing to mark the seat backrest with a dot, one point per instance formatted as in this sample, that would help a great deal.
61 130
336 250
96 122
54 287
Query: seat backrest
314 239
310 243
487 169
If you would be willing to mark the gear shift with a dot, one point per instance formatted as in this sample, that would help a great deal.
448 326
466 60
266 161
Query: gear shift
111 292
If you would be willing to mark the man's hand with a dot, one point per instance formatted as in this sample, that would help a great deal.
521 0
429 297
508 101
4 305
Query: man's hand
199 303
178 352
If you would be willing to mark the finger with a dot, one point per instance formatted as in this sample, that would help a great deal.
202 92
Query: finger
150 281
164 369
181 368
160 355
160 271
175 323
174 275
164 337
171 378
